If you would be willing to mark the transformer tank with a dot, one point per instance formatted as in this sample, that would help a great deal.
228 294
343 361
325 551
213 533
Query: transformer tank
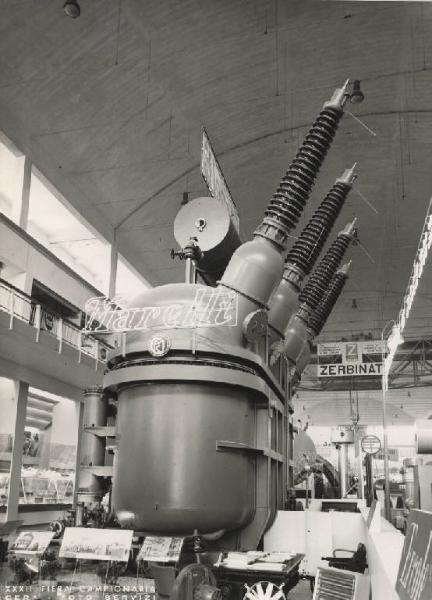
198 420
203 419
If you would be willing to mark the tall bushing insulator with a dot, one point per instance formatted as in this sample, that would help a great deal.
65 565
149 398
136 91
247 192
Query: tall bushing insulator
319 317
303 255
317 285
90 487
287 204
256 267
307 248
296 333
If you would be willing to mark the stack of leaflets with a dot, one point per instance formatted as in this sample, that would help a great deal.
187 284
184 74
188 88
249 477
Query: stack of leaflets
262 561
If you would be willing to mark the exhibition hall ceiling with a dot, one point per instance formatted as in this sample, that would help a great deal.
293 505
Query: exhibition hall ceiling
110 107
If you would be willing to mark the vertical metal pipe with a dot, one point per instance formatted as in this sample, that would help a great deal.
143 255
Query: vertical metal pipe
359 462
387 508
190 276
80 414
384 386
369 480
343 468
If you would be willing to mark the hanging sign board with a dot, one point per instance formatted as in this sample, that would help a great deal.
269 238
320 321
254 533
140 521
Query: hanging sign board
161 549
97 544
215 181
392 453
32 542
348 359
414 580
371 444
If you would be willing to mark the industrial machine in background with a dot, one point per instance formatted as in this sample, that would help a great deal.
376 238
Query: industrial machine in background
417 471
203 382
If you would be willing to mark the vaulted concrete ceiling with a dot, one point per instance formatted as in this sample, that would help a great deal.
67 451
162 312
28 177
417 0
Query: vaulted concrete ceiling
110 107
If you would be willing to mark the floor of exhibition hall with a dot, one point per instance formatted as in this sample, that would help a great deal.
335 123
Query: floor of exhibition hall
84 584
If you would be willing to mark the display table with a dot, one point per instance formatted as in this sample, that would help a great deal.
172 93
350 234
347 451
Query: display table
236 578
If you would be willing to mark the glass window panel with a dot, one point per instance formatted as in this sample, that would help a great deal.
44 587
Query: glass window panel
11 176
49 450
8 405
69 238
129 283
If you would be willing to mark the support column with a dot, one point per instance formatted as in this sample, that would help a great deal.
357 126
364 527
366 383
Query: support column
113 268
25 197
20 209
21 391
80 412
343 469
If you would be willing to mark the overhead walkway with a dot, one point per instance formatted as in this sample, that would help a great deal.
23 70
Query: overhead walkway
34 339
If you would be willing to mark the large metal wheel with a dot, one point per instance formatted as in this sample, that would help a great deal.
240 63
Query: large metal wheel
264 590
195 582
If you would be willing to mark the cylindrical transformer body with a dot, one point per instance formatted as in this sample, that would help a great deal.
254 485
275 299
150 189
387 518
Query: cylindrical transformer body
170 476
90 487
186 428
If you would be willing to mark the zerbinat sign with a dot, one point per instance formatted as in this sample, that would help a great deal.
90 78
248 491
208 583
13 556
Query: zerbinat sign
350 359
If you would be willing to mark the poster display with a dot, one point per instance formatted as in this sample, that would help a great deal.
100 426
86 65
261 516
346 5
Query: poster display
32 542
348 359
96 544
414 580
161 549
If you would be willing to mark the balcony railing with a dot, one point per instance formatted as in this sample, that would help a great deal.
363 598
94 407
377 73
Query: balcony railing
22 307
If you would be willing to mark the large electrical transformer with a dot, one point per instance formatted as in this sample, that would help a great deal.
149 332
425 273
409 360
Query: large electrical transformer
203 379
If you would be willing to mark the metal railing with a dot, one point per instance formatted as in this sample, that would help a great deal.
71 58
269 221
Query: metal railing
22 307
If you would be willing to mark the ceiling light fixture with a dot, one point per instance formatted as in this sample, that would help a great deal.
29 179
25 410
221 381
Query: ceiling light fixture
72 8
395 338
356 95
